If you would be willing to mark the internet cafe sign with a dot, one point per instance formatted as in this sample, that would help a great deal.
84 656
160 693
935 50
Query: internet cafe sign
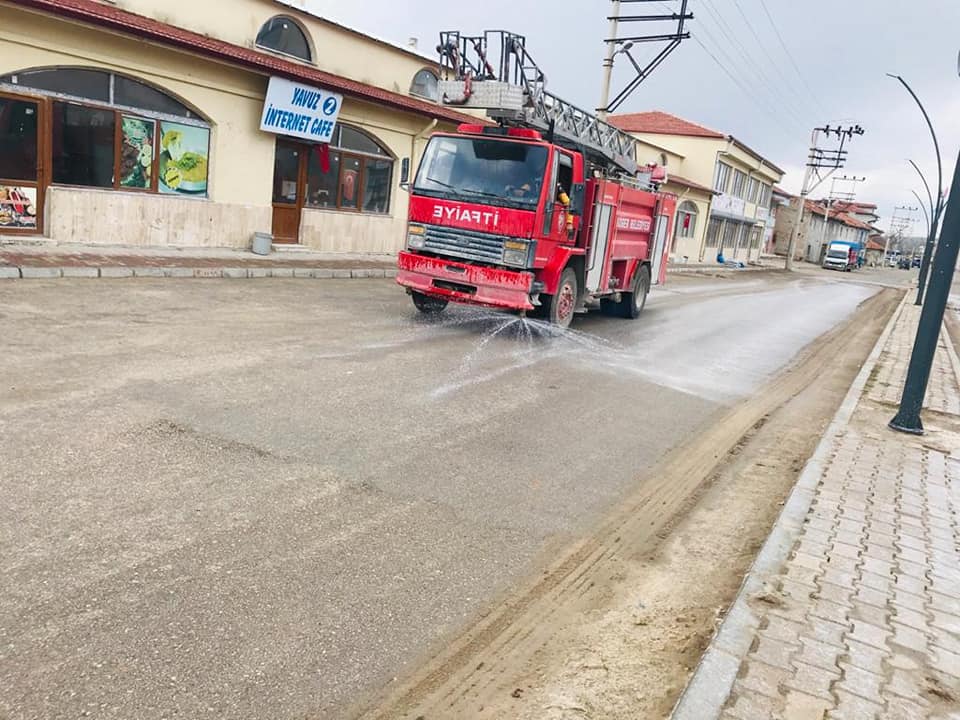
300 111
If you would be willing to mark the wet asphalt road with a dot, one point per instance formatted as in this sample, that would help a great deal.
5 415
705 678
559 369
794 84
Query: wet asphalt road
264 499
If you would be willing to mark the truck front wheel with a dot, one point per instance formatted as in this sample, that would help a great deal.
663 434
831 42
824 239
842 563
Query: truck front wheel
428 305
559 309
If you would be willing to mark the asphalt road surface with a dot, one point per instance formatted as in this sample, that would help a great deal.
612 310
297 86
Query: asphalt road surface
266 499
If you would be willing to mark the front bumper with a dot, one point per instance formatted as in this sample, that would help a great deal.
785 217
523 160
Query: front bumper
468 284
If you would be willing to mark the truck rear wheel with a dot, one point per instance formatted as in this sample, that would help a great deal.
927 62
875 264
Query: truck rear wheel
559 309
428 305
633 302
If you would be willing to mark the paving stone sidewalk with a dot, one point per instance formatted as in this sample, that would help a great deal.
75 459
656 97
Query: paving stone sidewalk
852 609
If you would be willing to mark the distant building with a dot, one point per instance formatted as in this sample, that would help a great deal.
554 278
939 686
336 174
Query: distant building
724 188
820 226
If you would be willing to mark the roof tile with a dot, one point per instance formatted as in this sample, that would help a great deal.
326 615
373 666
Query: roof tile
661 123
123 21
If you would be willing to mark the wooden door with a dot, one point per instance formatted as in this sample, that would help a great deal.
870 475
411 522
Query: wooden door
289 190
21 164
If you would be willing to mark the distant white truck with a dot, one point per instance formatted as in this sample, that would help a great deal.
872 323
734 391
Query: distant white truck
842 255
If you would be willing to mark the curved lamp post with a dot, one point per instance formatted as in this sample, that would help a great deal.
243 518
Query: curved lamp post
938 209
907 418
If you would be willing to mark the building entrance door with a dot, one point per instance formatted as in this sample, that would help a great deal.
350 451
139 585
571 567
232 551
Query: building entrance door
289 190
21 167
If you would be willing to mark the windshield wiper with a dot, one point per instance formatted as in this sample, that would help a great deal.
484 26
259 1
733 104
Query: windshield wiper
442 184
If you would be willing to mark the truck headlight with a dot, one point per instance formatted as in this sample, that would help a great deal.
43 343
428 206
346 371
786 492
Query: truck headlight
515 253
416 236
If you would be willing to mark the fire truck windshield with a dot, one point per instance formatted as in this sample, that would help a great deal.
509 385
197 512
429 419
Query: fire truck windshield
489 171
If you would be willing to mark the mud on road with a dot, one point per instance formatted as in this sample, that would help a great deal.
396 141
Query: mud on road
613 628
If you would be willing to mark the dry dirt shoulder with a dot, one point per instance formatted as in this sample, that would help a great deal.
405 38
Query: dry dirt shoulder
613 627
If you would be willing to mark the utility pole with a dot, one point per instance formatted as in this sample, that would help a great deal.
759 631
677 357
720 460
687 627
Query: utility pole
902 219
819 159
617 45
834 196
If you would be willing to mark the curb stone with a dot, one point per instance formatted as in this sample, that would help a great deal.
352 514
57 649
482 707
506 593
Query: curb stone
10 273
81 272
713 680
35 273
116 272
152 272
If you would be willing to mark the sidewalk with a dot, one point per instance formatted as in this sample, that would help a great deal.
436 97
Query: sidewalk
44 260
51 261
852 608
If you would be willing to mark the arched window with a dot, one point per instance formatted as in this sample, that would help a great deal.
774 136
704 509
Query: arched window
425 85
686 225
100 87
110 131
356 173
283 35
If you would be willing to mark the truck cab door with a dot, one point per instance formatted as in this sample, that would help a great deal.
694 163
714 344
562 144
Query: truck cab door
560 178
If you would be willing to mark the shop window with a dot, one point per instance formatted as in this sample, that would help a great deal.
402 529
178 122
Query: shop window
283 35
713 232
425 85
117 133
18 139
83 145
353 173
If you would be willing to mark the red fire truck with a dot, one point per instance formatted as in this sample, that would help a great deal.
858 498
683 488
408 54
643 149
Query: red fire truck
544 212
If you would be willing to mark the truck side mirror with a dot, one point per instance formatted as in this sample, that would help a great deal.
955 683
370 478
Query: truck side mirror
405 173
576 198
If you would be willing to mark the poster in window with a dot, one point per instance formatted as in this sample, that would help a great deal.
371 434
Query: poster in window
18 208
136 152
184 153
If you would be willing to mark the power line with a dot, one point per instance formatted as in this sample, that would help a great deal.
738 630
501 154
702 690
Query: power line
755 67
746 91
766 52
793 61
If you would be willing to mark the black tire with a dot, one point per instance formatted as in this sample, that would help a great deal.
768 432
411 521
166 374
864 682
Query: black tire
428 305
559 309
632 303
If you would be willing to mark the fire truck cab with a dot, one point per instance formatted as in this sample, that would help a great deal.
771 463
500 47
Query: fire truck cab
501 218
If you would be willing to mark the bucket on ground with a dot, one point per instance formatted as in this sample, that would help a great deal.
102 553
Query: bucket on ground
262 243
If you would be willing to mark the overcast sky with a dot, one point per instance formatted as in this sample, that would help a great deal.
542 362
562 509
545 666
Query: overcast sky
842 50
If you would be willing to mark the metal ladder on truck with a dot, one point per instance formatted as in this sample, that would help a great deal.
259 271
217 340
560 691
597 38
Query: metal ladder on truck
494 72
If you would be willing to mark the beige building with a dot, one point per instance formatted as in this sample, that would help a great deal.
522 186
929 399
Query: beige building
724 181
181 123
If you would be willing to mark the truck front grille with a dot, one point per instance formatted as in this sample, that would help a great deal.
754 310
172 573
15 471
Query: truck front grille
466 244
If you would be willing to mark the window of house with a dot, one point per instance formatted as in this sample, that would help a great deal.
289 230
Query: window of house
722 178
753 185
686 219
283 35
356 174
111 131
765 191
425 85
739 184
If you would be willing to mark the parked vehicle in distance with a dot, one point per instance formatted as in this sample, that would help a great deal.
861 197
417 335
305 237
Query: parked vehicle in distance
905 264
891 262
916 262
842 255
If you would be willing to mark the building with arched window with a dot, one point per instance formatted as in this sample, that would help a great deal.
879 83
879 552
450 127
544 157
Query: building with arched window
151 126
